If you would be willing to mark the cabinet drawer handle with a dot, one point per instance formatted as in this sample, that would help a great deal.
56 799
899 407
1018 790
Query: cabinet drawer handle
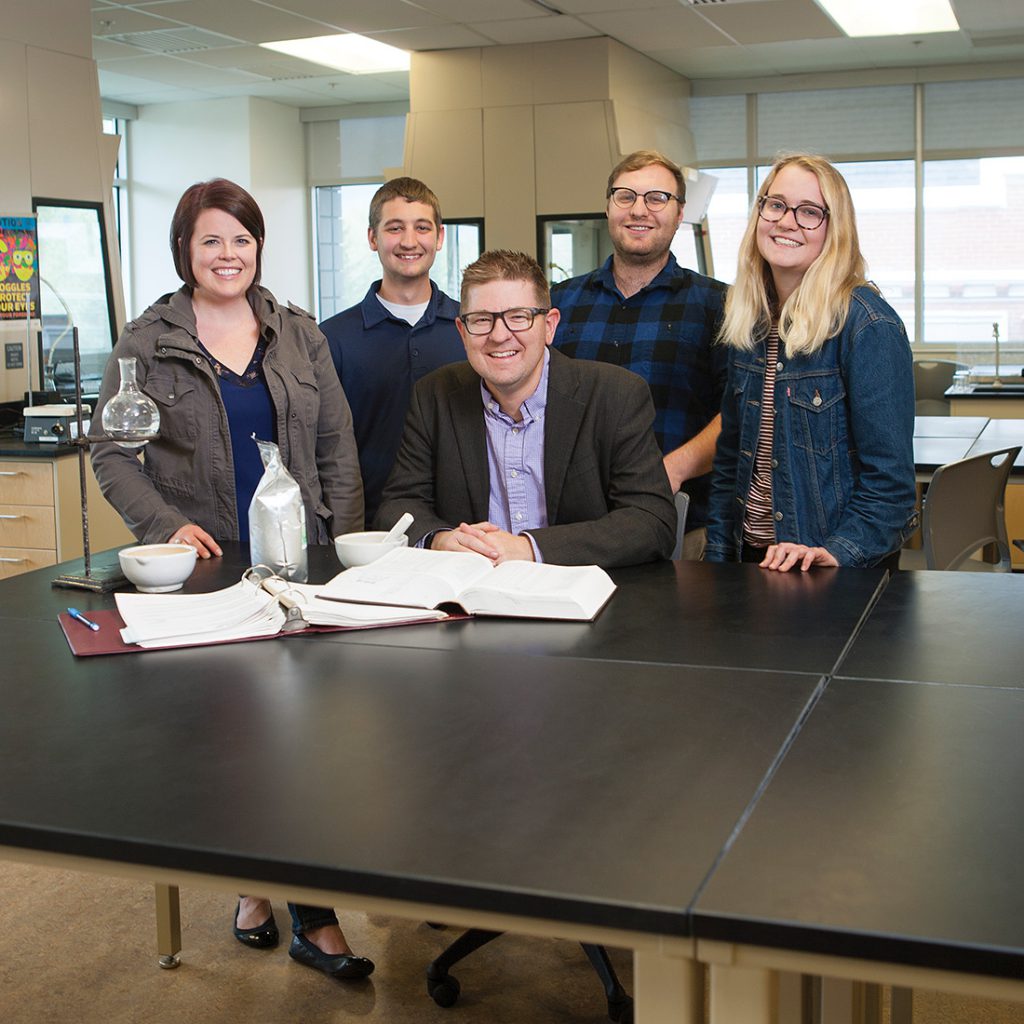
10 472
11 517
14 561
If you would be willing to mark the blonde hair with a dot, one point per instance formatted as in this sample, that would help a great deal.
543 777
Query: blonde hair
820 304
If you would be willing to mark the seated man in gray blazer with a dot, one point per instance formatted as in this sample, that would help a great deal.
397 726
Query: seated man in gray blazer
523 453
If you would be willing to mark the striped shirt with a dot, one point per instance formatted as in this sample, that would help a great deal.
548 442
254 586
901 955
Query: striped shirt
759 521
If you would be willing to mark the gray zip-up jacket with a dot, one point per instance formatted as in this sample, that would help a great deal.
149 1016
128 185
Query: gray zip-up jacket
186 475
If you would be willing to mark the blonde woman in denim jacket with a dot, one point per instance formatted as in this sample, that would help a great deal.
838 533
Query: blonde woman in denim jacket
815 462
223 360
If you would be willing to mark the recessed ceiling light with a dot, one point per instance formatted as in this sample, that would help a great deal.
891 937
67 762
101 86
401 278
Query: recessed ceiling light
349 52
891 17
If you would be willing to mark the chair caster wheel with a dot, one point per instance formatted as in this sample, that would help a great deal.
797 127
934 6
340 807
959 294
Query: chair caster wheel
621 1012
444 991
168 963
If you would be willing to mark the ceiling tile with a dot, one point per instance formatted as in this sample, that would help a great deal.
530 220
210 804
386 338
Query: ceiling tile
657 28
242 19
174 71
483 10
990 15
129 89
265 63
363 16
619 6
772 21
450 37
102 49
535 30
714 62
899 51
113 21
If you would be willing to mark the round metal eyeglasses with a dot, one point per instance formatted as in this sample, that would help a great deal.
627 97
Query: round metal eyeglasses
653 200
518 319
807 215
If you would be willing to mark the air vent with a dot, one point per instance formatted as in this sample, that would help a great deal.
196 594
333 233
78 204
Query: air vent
175 40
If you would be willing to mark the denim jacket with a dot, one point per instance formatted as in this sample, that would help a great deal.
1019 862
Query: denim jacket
843 455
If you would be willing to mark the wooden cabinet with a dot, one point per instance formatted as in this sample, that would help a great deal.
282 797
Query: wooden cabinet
40 514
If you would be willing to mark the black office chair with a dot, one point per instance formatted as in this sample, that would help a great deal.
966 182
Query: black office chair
444 988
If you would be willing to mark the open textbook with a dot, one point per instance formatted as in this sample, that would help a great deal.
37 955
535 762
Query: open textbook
419 578
256 606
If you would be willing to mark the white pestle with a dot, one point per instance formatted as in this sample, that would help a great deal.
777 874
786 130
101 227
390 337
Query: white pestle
398 529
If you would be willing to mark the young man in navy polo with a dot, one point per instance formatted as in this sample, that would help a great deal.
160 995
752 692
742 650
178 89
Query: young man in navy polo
641 310
403 328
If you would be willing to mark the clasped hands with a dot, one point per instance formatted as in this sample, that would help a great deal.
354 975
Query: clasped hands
485 539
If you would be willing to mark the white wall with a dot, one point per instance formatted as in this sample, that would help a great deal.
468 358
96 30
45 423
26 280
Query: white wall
257 144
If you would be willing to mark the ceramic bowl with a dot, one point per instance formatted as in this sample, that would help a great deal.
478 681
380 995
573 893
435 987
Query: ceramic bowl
158 568
363 548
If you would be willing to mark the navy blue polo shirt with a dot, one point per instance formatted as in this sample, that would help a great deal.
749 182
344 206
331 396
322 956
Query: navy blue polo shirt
379 358
666 334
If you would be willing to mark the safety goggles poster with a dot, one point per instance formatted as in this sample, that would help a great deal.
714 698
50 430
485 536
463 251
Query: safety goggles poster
19 273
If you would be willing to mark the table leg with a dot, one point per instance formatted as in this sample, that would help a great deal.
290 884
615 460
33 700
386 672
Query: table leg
668 989
841 1001
742 994
902 1005
168 926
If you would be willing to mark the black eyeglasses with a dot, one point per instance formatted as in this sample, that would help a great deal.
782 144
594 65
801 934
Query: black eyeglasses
653 200
807 215
518 319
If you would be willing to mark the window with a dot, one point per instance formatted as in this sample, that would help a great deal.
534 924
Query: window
727 220
463 243
973 261
940 236
119 126
347 266
570 246
883 200
75 290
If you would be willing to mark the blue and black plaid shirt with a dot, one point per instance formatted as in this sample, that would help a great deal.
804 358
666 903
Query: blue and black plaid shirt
665 333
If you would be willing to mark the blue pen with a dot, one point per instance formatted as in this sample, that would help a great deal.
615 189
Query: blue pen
78 616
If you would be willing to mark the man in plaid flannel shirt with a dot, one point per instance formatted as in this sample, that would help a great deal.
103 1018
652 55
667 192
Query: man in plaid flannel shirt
641 310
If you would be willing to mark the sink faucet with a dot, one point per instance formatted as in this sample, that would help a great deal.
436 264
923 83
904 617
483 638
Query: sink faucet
996 382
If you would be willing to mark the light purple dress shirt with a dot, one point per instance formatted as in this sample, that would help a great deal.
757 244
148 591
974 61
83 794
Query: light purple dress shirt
515 461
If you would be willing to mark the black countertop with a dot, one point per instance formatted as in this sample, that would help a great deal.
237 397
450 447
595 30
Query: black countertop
682 613
892 832
559 788
944 627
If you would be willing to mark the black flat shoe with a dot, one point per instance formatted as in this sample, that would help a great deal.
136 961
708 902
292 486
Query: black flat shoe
344 966
263 936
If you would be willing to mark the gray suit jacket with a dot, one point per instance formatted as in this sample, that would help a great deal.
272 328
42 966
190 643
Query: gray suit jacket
607 494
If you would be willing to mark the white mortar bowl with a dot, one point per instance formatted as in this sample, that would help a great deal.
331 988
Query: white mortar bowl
158 568
363 548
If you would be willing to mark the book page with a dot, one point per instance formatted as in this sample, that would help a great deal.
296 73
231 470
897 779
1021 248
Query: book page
541 590
409 576
169 619
319 611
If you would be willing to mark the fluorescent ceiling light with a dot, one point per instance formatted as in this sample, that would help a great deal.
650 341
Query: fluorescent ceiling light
349 52
891 17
